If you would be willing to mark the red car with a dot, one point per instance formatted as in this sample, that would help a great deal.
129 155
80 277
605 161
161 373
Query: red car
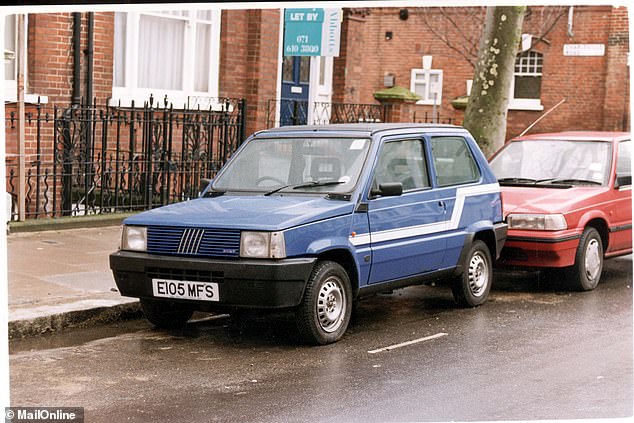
567 199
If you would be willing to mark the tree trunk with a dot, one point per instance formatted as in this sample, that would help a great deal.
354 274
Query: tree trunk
485 116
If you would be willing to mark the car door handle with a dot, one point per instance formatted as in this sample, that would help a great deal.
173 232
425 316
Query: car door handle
441 204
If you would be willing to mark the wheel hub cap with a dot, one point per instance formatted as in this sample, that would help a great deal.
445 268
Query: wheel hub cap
478 275
330 305
593 259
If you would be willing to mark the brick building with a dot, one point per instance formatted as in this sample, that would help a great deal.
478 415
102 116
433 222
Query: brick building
189 59
593 79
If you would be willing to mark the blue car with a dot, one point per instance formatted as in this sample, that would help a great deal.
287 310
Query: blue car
311 218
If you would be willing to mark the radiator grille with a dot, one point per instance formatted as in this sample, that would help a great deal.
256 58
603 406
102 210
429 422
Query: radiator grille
193 241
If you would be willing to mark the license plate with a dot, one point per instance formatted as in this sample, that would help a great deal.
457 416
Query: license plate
186 290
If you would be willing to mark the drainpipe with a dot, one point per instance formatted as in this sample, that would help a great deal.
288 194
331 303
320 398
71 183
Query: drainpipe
76 58
90 57
67 166
570 13
90 112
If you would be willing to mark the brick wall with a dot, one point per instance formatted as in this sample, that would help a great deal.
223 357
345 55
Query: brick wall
580 80
348 67
596 89
249 54
371 55
617 102
51 60
103 55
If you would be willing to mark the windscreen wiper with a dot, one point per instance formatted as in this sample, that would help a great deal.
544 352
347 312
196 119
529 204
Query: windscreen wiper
304 185
572 181
517 181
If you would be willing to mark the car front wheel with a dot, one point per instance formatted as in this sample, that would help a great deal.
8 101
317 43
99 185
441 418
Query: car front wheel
472 288
324 314
166 314
586 272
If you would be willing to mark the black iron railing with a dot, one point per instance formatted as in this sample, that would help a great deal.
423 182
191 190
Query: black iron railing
90 160
297 112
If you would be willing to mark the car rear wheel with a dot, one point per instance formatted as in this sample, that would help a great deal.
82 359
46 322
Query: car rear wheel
324 314
166 314
586 272
472 288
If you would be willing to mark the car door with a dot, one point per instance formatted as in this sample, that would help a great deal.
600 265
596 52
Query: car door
457 183
621 225
405 230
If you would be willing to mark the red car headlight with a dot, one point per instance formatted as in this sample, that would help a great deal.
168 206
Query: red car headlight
537 222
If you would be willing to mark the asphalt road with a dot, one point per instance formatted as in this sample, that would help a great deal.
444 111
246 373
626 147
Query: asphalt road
533 352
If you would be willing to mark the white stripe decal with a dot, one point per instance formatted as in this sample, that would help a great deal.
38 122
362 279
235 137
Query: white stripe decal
357 240
430 228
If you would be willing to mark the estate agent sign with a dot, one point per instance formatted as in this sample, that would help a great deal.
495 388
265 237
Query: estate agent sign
312 32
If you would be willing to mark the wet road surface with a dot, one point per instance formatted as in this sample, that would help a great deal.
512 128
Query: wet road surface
533 351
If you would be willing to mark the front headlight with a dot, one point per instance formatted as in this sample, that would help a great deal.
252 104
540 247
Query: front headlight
537 222
262 245
134 238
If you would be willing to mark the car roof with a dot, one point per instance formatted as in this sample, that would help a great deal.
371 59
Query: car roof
359 129
608 136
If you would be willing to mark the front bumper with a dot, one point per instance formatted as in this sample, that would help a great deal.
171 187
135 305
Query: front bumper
525 249
241 283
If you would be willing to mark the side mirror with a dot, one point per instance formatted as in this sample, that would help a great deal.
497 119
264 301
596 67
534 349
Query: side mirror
390 189
204 184
623 180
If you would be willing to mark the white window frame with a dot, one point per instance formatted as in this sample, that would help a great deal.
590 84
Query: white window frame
525 103
11 85
124 95
426 73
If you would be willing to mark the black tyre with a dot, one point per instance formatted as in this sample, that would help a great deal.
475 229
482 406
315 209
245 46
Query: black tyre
586 272
324 314
166 314
472 287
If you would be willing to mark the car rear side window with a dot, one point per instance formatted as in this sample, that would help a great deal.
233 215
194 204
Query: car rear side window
453 161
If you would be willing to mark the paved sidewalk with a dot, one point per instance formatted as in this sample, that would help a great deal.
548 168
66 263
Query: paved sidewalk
62 278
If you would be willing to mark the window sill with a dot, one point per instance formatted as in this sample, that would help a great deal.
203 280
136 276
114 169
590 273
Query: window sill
203 103
429 102
528 105
175 99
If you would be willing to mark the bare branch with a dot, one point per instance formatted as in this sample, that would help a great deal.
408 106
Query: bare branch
460 39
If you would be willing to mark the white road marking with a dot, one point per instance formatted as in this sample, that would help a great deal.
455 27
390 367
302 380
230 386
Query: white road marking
405 344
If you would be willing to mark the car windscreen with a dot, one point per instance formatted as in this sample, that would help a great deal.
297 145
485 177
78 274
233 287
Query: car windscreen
544 162
320 165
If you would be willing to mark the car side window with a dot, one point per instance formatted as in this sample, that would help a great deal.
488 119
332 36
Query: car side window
402 161
624 161
453 161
